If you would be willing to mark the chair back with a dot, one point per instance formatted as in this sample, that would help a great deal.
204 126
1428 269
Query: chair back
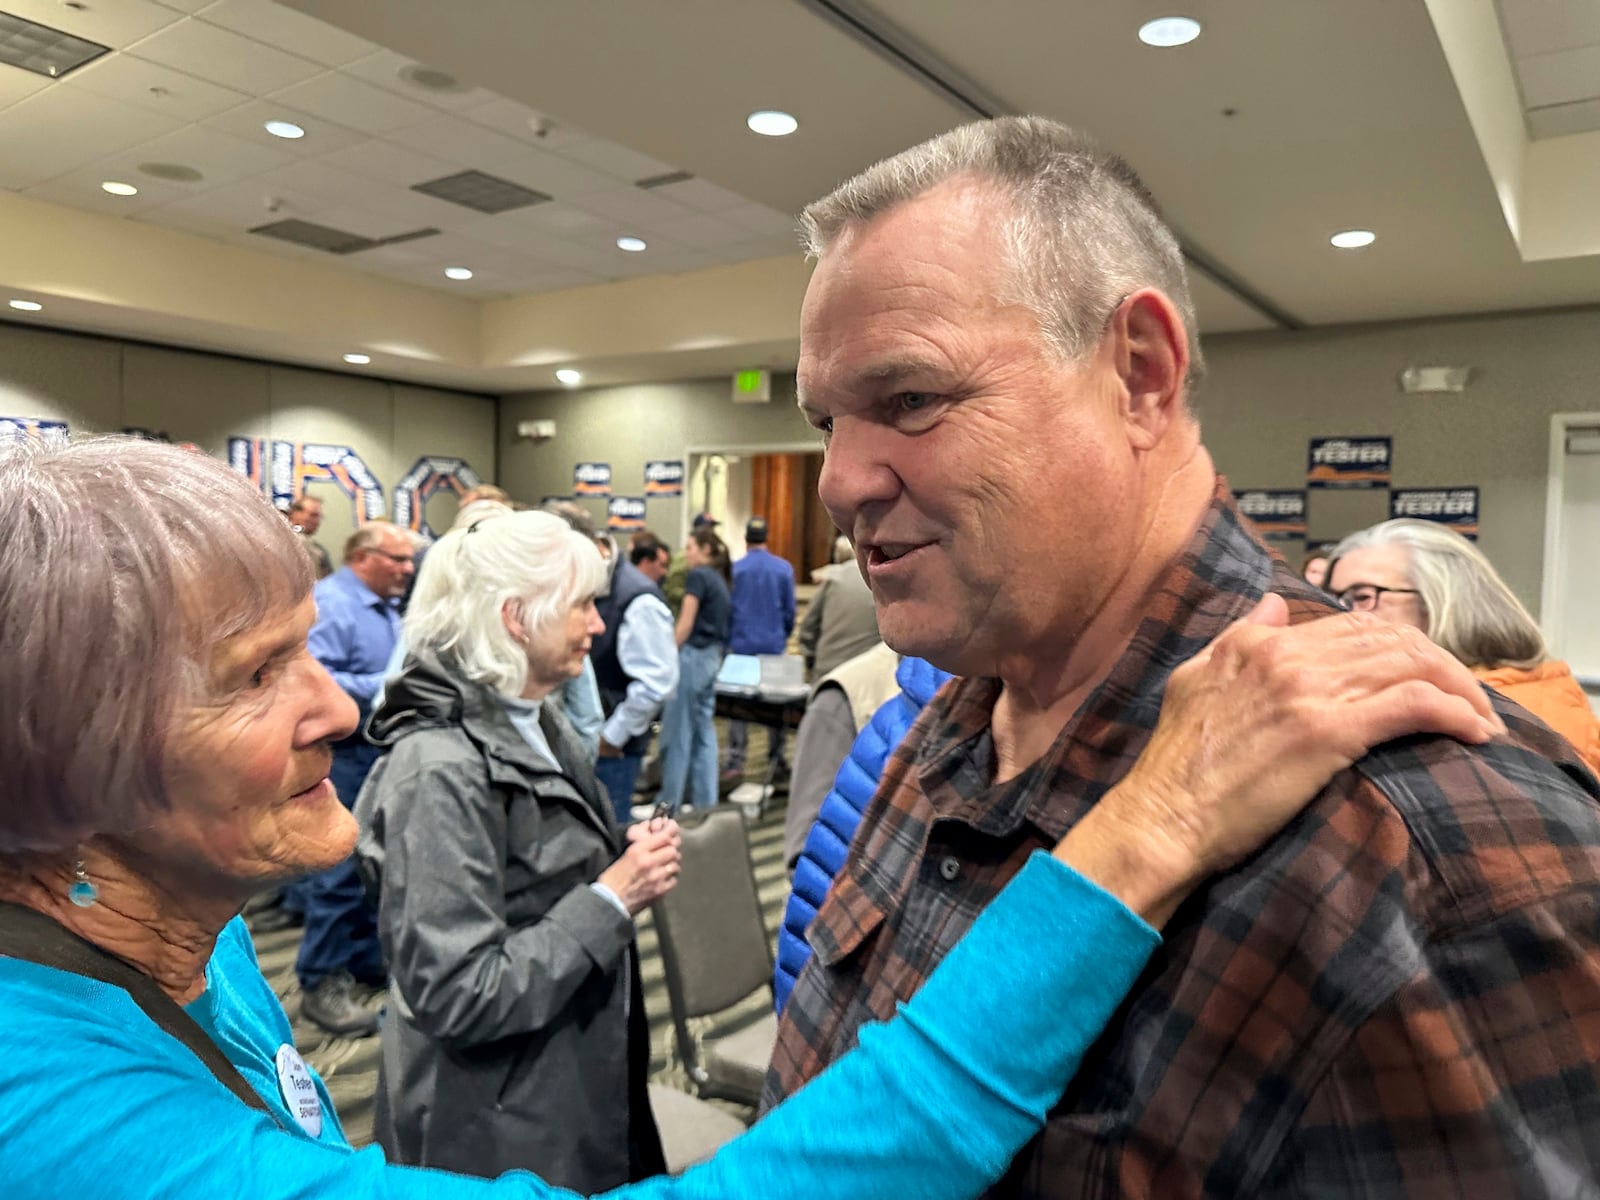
714 945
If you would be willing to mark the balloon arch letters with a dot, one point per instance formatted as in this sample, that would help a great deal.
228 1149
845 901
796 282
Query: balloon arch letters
283 470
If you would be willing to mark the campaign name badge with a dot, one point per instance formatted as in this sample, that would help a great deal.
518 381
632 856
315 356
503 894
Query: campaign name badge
299 1091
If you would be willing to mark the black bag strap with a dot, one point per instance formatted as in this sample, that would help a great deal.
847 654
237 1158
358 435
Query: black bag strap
34 937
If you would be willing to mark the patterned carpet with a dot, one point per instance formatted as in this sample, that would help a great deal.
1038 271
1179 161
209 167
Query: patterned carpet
350 1066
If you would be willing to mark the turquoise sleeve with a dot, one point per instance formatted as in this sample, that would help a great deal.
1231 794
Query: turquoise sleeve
935 1103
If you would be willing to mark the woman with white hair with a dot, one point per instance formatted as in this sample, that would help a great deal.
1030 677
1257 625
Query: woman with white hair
516 1035
1423 574
164 756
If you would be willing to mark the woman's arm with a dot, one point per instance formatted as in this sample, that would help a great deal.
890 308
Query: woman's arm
686 616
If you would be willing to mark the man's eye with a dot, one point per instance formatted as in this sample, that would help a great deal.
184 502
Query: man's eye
260 676
913 401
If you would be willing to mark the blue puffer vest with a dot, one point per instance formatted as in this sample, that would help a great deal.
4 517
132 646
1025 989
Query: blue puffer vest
829 840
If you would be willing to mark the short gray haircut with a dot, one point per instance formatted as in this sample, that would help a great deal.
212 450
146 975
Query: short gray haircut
1470 610
123 564
532 559
1083 231
369 536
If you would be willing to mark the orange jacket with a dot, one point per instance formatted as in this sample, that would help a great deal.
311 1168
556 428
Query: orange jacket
1550 693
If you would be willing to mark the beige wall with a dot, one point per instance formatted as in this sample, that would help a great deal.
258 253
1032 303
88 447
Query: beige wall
628 426
1268 394
104 385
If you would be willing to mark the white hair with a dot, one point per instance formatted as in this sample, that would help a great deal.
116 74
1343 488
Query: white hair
532 560
1470 611
478 510
1082 233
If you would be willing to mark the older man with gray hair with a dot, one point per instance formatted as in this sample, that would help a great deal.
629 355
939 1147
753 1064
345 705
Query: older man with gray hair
1397 997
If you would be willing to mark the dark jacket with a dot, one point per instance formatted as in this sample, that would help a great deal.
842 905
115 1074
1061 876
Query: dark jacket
628 584
515 1035
829 840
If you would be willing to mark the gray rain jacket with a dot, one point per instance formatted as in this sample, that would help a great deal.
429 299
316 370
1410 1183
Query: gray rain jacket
515 1035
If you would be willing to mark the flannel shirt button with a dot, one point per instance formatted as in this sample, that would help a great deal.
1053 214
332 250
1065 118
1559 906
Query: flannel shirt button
950 868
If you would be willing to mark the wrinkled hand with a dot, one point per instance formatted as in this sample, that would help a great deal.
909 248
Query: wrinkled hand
649 868
1251 729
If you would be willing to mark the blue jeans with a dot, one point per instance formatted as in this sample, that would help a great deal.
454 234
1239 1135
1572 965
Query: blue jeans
688 737
341 928
618 775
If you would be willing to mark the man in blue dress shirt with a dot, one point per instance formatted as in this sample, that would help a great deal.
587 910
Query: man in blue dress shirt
357 625
763 619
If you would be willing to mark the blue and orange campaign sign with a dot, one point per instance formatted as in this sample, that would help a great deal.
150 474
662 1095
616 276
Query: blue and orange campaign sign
1349 462
625 513
1278 513
663 477
591 479
1456 507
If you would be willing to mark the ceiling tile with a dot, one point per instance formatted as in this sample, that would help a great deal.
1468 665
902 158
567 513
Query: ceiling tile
220 157
114 23
758 218
1564 119
392 163
16 84
554 280
288 30
704 230
616 161
58 129
132 80
249 121
313 185
516 120
384 70
699 194
348 101
81 189
632 207
366 221
187 6
766 247
224 57
1540 26
1560 77
232 208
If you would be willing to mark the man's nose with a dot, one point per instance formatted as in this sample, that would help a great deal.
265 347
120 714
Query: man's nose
857 470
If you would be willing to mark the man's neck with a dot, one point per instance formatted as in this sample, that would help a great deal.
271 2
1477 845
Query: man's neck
1044 685
169 940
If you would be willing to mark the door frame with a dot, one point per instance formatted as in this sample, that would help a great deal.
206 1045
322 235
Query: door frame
1553 588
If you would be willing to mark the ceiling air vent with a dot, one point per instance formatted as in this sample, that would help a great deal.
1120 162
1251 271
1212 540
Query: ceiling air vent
667 180
43 50
334 241
481 192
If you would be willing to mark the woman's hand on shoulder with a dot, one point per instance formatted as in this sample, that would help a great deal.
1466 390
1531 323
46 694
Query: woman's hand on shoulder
1251 729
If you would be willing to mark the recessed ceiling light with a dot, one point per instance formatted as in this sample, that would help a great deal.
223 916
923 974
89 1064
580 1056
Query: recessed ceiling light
1169 31
27 305
769 122
119 189
285 129
569 377
631 244
1353 239
458 273
358 360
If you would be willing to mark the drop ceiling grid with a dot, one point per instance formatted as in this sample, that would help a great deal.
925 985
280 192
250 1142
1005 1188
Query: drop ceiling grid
193 81
1555 54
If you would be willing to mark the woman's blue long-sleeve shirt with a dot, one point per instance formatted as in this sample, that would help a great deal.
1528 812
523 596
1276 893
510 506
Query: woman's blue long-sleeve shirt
99 1101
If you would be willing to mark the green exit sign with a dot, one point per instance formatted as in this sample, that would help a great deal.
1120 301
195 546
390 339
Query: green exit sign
752 387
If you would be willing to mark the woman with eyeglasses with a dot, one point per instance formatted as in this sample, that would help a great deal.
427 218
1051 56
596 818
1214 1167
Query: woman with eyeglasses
1422 574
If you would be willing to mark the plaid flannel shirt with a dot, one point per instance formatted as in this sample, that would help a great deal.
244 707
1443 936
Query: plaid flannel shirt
1399 996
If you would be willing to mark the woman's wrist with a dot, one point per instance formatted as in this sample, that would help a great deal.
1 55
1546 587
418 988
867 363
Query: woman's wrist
1133 856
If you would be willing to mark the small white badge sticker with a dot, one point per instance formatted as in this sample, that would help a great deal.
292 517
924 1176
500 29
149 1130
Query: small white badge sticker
299 1092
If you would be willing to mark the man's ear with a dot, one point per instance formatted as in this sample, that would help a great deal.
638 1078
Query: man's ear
1151 353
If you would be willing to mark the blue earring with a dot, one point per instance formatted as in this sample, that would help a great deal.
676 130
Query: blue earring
83 892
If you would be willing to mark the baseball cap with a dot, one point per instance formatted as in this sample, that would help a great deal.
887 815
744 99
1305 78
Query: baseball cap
705 521
755 529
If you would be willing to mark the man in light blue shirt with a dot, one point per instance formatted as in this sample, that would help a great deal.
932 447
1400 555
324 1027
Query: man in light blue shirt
762 620
357 626
636 663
